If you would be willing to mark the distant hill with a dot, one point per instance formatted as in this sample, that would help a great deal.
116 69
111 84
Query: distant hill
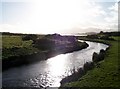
85 34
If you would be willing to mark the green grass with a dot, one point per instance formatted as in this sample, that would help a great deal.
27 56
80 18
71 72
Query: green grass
0 41
0 46
10 41
15 46
106 75
14 41
117 38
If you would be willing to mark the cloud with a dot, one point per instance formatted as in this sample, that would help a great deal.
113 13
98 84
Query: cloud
114 7
112 18
49 16
12 28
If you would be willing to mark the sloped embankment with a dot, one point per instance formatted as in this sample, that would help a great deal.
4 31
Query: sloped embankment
105 72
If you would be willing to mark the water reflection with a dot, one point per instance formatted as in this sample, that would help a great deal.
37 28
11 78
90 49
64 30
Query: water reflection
49 73
56 65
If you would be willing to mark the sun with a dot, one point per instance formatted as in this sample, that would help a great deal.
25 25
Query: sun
52 16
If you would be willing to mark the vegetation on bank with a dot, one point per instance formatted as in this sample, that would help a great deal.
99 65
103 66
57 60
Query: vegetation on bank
86 67
60 44
106 72
14 46
26 44
19 49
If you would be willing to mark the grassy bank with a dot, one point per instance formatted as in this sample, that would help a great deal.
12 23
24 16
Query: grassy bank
23 49
106 72
13 45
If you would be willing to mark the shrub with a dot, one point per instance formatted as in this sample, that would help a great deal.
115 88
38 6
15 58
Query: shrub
88 65
44 44
29 37
92 36
106 37
101 54
95 57
98 57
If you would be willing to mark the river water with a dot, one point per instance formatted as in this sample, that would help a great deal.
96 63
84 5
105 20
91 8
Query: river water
50 72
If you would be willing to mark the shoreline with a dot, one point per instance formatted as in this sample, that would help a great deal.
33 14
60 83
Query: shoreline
82 71
16 61
95 40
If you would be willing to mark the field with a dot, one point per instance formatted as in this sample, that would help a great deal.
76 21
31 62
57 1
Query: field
106 73
14 46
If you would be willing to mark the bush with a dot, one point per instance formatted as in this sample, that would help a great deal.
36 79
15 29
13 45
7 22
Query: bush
44 44
98 57
29 37
88 65
95 57
106 37
101 54
92 36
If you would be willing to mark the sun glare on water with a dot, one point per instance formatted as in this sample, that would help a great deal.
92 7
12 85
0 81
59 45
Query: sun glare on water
57 64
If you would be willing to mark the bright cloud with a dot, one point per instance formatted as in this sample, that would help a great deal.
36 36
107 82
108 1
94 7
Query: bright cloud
112 18
62 16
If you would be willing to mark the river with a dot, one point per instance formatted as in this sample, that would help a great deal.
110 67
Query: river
50 72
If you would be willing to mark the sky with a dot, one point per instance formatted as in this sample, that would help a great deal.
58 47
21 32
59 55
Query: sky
58 16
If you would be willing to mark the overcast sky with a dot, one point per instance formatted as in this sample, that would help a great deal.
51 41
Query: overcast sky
58 16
